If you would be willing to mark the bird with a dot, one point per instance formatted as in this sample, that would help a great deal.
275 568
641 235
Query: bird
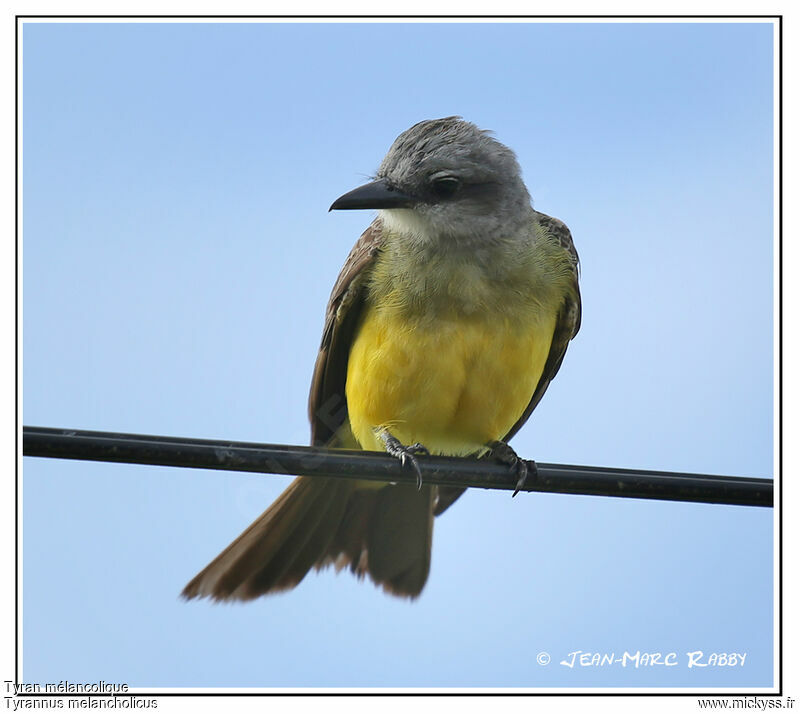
448 321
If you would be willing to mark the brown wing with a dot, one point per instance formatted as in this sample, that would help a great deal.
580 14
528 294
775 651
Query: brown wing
327 404
568 323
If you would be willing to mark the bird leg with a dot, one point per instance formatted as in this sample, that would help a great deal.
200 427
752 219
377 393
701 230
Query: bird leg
406 454
502 452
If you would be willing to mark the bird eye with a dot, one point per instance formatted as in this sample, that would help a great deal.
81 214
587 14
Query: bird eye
445 186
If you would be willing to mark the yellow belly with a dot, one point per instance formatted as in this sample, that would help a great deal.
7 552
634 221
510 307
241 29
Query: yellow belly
451 384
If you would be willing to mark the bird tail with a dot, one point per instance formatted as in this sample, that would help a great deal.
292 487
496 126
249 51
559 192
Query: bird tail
384 532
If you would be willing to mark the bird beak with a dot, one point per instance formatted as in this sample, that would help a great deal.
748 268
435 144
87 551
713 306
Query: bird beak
377 194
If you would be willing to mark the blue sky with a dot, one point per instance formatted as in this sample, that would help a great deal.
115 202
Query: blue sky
177 257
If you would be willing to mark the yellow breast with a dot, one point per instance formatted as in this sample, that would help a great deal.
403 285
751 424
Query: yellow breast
453 383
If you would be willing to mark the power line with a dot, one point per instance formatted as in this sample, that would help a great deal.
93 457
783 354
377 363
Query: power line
447 471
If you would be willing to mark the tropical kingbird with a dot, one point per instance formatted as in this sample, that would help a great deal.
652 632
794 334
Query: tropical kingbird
447 323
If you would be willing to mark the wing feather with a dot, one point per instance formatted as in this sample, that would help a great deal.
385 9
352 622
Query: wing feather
327 404
568 321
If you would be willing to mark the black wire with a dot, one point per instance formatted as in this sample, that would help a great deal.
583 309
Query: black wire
374 466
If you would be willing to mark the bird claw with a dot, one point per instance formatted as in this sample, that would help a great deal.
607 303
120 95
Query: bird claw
406 454
503 453
522 473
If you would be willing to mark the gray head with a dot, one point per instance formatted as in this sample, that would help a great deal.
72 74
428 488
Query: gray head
447 178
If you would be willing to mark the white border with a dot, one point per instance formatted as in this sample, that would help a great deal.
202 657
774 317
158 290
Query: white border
117 16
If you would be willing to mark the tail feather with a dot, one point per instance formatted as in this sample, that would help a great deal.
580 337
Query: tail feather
385 532
230 574
399 540
208 580
311 540
348 548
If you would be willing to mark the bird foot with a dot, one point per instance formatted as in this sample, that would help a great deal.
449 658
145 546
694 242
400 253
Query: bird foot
406 454
502 452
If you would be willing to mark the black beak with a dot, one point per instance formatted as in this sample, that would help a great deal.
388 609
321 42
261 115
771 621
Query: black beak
377 194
